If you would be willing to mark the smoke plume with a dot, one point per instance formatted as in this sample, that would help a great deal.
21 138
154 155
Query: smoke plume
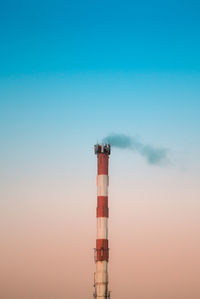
153 155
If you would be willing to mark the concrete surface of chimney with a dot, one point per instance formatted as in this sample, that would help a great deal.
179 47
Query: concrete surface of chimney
102 251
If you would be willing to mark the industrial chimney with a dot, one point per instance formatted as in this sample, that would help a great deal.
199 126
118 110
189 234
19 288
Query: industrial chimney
102 251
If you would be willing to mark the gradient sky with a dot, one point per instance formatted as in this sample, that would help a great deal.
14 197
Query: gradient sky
72 72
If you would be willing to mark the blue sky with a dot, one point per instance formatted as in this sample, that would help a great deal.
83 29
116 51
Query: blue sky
85 69
73 72
73 36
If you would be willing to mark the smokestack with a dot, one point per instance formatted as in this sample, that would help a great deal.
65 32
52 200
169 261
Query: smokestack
102 251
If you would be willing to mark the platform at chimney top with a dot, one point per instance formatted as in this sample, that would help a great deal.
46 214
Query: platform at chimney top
102 148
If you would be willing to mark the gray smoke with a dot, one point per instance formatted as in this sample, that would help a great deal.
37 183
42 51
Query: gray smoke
152 154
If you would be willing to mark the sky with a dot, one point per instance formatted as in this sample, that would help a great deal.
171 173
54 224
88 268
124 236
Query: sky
71 73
